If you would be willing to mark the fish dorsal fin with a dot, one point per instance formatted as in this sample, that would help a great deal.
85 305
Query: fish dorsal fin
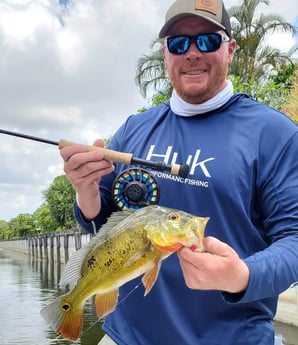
73 269
106 303
112 222
72 272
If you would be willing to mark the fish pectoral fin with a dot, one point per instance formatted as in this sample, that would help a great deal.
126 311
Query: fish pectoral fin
150 277
136 256
106 303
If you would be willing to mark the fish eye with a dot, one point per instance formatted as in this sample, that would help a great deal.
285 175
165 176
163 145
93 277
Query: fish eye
173 216
66 307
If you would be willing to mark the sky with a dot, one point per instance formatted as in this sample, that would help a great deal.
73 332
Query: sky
67 71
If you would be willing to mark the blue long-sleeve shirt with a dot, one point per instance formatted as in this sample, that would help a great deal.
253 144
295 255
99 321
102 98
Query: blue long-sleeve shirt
243 160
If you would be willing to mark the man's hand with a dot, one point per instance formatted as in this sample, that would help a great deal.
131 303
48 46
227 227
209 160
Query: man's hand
218 268
85 169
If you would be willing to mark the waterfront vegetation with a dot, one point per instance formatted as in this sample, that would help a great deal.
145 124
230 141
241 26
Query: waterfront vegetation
55 214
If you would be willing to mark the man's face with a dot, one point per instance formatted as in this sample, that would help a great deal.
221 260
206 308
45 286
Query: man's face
198 76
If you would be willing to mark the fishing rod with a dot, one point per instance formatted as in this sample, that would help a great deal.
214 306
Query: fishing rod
116 156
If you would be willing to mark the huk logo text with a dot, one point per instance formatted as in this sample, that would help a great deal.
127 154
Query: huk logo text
171 157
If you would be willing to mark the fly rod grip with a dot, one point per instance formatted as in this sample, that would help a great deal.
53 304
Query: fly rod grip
128 159
115 156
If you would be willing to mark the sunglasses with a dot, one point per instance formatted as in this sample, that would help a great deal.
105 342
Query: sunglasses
206 43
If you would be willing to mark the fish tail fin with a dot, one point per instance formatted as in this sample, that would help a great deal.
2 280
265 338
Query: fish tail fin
64 318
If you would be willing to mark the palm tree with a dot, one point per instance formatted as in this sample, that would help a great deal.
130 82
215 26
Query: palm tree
254 58
59 198
151 72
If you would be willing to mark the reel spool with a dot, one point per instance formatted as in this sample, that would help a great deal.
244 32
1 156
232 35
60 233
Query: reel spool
135 188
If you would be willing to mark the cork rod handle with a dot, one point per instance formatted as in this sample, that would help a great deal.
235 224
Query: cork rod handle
115 156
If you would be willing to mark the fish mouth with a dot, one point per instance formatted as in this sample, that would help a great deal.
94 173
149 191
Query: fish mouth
197 227
193 237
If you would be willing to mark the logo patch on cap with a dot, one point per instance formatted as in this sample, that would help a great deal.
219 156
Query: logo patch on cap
207 5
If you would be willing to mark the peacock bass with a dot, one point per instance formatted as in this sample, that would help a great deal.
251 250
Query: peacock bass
130 244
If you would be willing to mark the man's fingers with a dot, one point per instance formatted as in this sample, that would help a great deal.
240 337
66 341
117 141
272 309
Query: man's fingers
99 143
68 151
214 246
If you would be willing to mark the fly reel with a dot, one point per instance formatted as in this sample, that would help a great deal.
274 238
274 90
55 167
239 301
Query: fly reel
135 188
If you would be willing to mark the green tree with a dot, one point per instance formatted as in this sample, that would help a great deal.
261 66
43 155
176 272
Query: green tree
155 100
254 58
22 226
59 198
151 72
285 75
4 230
44 221
273 94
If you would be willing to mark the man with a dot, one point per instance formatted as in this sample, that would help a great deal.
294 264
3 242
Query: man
243 175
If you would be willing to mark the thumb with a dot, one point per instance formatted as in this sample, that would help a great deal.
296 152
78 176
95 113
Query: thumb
214 246
99 143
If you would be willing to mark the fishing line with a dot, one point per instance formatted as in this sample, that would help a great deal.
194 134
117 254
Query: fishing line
121 301
125 297
60 338
52 341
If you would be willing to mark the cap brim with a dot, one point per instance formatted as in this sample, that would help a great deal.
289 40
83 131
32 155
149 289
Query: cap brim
165 29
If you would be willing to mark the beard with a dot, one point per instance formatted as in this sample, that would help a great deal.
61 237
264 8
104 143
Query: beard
201 88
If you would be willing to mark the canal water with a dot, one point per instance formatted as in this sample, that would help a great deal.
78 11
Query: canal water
26 285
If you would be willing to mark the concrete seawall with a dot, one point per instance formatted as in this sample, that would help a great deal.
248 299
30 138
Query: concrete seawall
59 247
54 247
287 309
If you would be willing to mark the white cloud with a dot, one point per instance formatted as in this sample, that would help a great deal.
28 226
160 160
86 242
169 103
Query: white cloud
68 72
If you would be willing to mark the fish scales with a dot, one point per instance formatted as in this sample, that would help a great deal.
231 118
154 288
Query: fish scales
130 244
109 260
